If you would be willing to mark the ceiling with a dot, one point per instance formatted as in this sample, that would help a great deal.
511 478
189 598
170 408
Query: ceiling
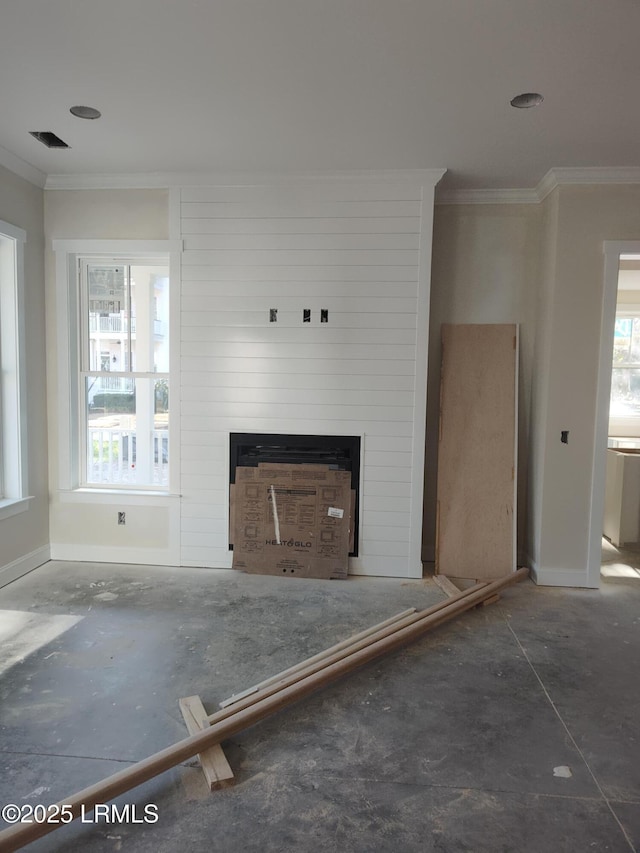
322 85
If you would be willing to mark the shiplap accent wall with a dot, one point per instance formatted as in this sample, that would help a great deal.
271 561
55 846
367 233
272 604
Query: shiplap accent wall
360 249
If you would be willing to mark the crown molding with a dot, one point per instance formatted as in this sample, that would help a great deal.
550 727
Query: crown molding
21 168
487 196
556 177
108 181
548 183
597 175
169 180
587 176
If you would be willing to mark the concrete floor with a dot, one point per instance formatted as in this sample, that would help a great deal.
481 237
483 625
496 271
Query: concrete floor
513 729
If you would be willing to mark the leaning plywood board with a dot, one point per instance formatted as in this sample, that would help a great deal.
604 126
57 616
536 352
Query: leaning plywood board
477 451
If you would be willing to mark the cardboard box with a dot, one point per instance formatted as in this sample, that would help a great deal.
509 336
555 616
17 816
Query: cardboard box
291 520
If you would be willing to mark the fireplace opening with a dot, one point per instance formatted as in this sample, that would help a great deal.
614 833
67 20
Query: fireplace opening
339 452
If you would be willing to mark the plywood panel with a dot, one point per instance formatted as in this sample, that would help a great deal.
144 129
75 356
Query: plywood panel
476 458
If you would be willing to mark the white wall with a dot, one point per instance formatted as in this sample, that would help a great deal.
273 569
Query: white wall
542 266
24 538
359 248
486 262
585 217
537 265
84 526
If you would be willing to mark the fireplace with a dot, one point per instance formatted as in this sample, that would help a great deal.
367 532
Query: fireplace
339 452
305 309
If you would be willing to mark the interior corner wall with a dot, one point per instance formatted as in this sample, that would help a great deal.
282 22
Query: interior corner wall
24 538
85 528
540 379
485 269
586 216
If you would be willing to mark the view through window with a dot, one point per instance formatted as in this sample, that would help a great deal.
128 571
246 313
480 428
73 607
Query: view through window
125 373
625 372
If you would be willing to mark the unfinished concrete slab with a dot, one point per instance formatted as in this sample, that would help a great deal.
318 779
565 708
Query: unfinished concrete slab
449 744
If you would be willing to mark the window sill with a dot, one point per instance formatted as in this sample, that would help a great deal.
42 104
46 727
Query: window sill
14 506
131 497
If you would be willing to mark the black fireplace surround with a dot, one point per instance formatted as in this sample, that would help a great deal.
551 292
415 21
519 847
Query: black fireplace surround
339 452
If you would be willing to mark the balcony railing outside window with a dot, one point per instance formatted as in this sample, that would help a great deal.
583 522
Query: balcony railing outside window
111 323
112 456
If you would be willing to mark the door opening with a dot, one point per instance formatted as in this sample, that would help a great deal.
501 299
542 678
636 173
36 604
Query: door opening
615 504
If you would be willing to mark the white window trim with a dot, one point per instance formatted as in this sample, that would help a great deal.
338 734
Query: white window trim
67 253
13 405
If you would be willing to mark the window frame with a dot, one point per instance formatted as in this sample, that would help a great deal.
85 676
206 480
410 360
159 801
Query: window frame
71 439
13 405
85 371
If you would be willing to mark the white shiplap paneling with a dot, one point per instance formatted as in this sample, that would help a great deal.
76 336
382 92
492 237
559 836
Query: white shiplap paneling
354 248
243 272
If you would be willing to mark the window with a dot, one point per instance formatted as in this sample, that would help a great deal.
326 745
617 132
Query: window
625 371
123 393
13 450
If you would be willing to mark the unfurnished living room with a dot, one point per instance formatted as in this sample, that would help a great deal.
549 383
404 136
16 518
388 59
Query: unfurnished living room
319 426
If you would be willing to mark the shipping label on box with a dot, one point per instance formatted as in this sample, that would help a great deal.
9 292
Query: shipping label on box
291 519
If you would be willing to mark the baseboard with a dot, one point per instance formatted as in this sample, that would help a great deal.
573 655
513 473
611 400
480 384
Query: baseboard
382 567
109 554
561 577
24 565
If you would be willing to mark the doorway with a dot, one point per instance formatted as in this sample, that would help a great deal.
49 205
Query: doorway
618 256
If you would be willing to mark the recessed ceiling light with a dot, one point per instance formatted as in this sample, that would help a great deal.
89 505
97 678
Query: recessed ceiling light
85 112
527 100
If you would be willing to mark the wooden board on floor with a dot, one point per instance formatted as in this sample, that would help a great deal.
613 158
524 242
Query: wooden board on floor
477 451
446 585
213 761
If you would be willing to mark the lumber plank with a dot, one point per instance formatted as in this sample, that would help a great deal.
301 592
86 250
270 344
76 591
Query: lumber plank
124 780
320 656
316 663
447 586
213 761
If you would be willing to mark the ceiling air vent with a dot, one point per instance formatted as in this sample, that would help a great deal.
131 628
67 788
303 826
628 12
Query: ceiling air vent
48 138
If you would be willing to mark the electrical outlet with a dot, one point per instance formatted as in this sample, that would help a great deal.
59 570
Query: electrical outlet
122 518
